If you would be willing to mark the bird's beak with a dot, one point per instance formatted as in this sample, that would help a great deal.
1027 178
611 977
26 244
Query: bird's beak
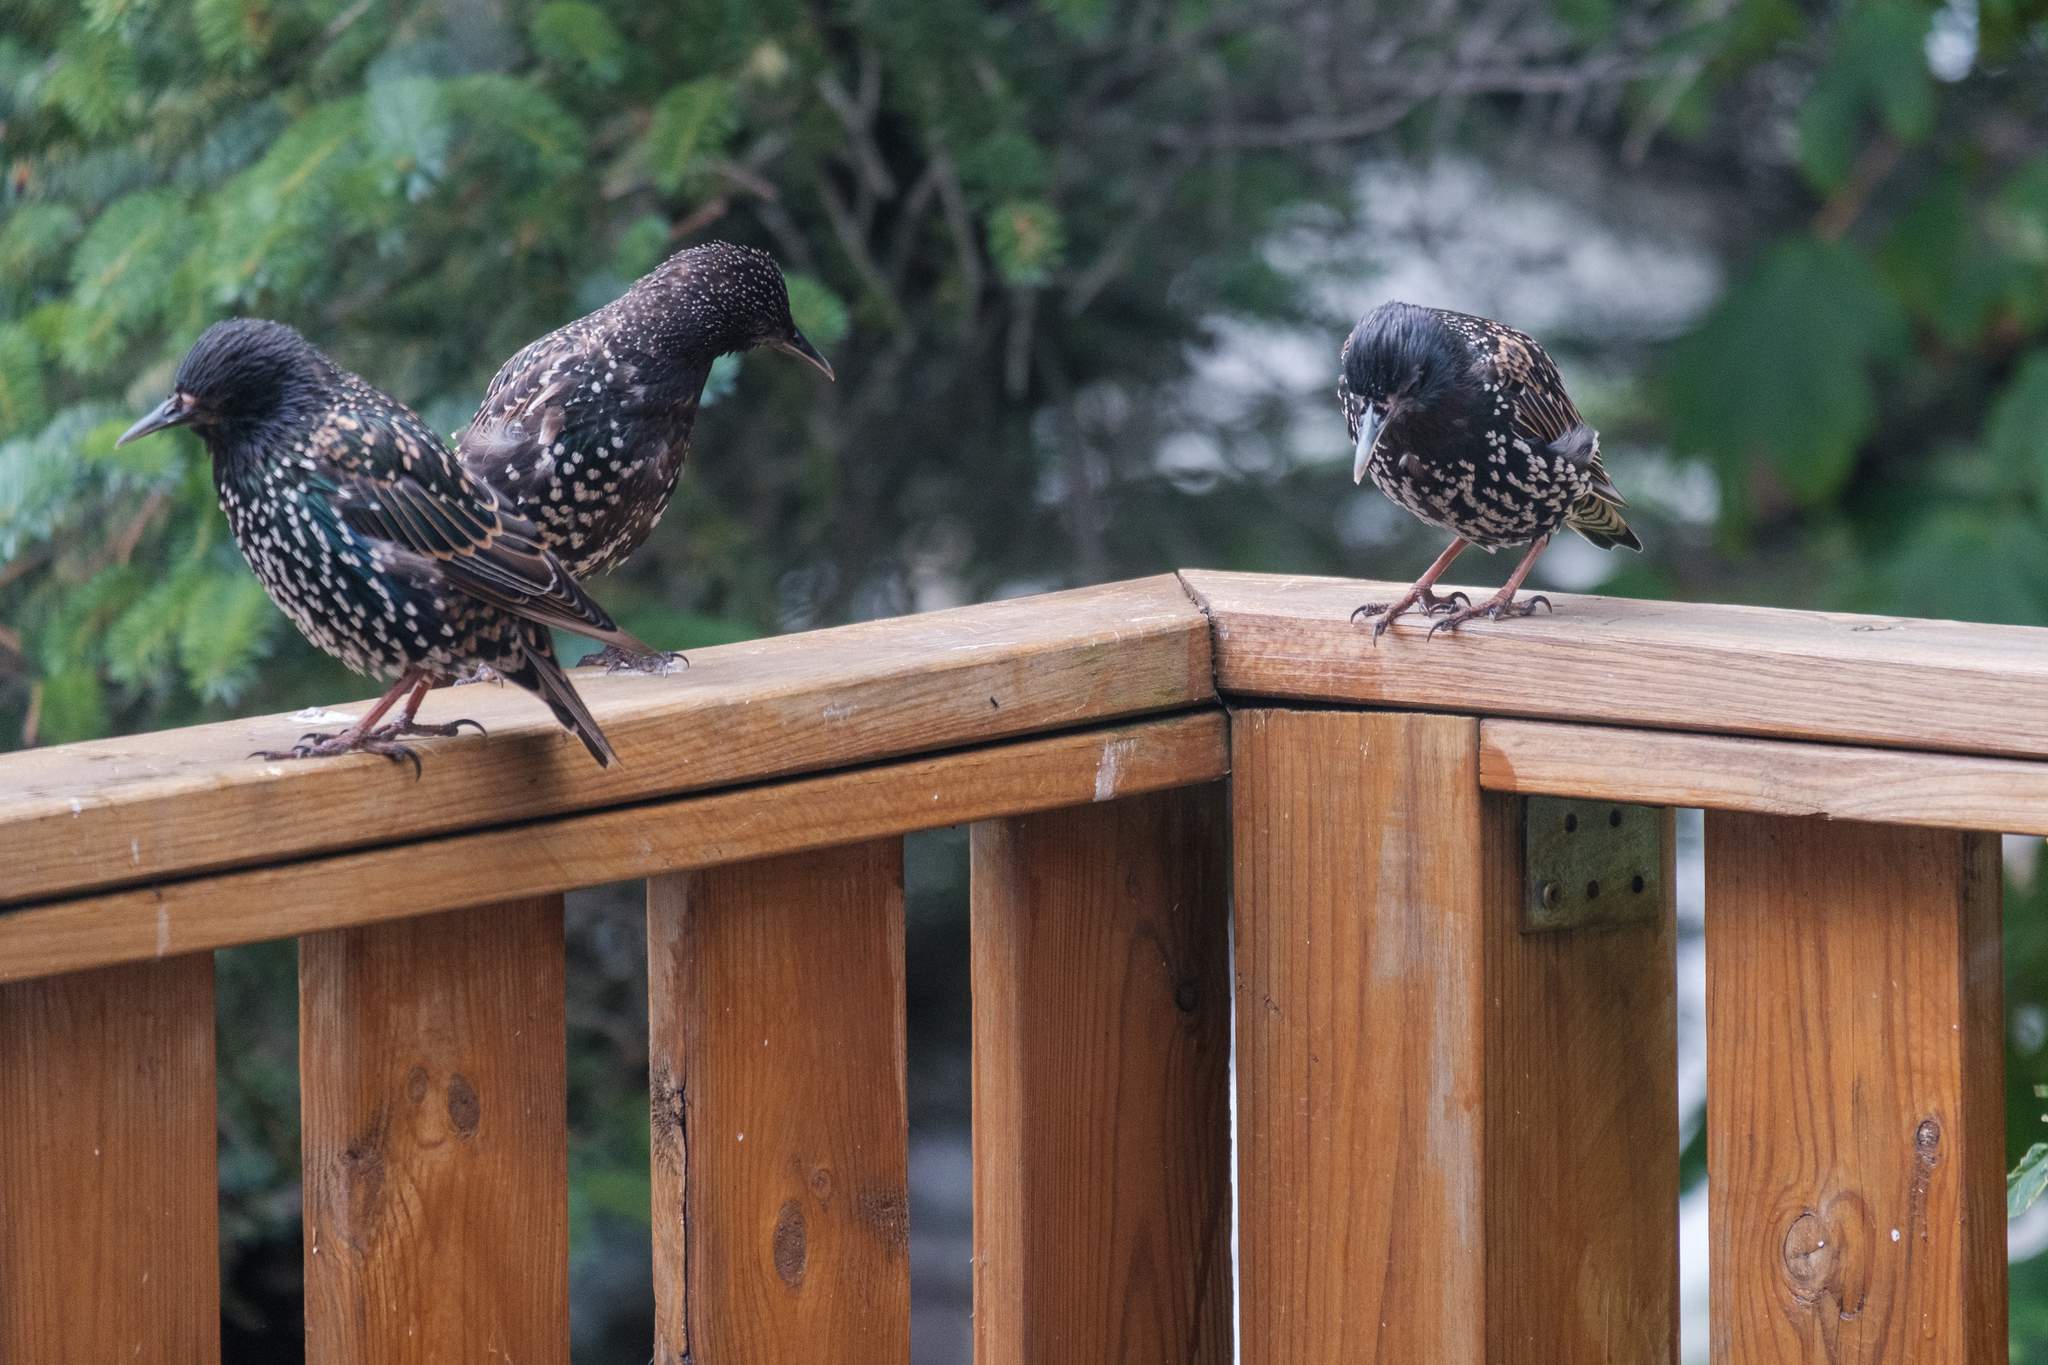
803 350
175 411
1368 429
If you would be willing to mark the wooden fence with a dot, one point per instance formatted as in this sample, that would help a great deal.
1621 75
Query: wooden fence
1456 1138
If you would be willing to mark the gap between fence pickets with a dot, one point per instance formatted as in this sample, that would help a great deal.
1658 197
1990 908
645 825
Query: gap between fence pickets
1201 603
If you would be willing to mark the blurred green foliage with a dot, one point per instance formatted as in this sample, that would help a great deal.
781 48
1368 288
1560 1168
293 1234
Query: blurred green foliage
1019 229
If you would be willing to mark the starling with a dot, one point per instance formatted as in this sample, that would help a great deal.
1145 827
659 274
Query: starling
585 430
1464 422
369 535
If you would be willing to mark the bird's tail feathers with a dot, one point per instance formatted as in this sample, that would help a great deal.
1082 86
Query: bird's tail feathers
540 674
1600 521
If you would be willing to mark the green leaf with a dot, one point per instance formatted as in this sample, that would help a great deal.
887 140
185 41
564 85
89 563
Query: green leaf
2019 215
1026 240
820 314
21 380
641 247
1006 164
33 242
1781 371
1879 68
74 706
94 82
2028 1180
225 631
409 134
2016 434
571 32
692 122
121 270
234 33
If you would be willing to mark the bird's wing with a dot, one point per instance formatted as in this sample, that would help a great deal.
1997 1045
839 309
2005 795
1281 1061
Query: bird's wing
1543 413
414 496
535 401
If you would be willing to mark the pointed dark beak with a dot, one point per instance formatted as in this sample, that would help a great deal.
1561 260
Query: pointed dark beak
803 350
175 411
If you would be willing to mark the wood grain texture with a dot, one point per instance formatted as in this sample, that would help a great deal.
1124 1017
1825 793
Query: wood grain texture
433 1105
1768 777
1456 1144
1101 1052
1935 685
1855 1128
559 855
776 1062
108 1232
144 807
1582 1137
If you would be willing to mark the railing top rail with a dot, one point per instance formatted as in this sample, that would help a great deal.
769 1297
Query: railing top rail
1936 686
151 807
83 818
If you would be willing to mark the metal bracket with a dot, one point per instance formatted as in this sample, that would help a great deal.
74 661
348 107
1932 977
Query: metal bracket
1591 863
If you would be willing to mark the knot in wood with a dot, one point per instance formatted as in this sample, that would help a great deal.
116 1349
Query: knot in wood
1809 1256
465 1110
790 1244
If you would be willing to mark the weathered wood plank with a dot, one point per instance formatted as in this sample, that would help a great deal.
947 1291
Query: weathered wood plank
1101 1051
1767 777
1855 1128
433 1099
1581 1069
776 1057
1456 1144
108 1233
1938 685
559 855
147 807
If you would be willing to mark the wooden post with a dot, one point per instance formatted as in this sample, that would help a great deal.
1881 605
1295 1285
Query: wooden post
1101 1052
1457 1143
781 1207
108 1196
1855 1122
432 1064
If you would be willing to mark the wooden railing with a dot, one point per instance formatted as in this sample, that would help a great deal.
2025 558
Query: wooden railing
1456 1137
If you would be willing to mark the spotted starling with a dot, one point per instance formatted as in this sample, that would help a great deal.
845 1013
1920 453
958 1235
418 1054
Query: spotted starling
586 429
366 531
1464 422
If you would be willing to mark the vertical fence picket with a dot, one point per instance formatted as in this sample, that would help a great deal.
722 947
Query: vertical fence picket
1101 1049
108 1191
776 1053
1455 1143
1855 1121
432 1068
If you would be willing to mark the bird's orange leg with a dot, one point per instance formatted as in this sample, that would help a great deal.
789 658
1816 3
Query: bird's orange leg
367 737
1503 602
406 725
1420 593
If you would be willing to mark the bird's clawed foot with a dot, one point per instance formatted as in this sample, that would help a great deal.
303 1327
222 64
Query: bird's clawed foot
480 674
1495 608
1382 614
382 741
615 660
318 745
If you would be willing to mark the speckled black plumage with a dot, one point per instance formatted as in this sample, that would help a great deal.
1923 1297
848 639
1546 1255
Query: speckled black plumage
369 535
586 429
1465 422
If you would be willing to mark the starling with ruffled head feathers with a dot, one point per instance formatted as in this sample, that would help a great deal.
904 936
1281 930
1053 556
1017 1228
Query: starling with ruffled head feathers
586 430
370 536
1465 422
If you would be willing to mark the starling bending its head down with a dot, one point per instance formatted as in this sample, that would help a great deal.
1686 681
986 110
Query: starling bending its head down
365 530
586 429
1464 422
